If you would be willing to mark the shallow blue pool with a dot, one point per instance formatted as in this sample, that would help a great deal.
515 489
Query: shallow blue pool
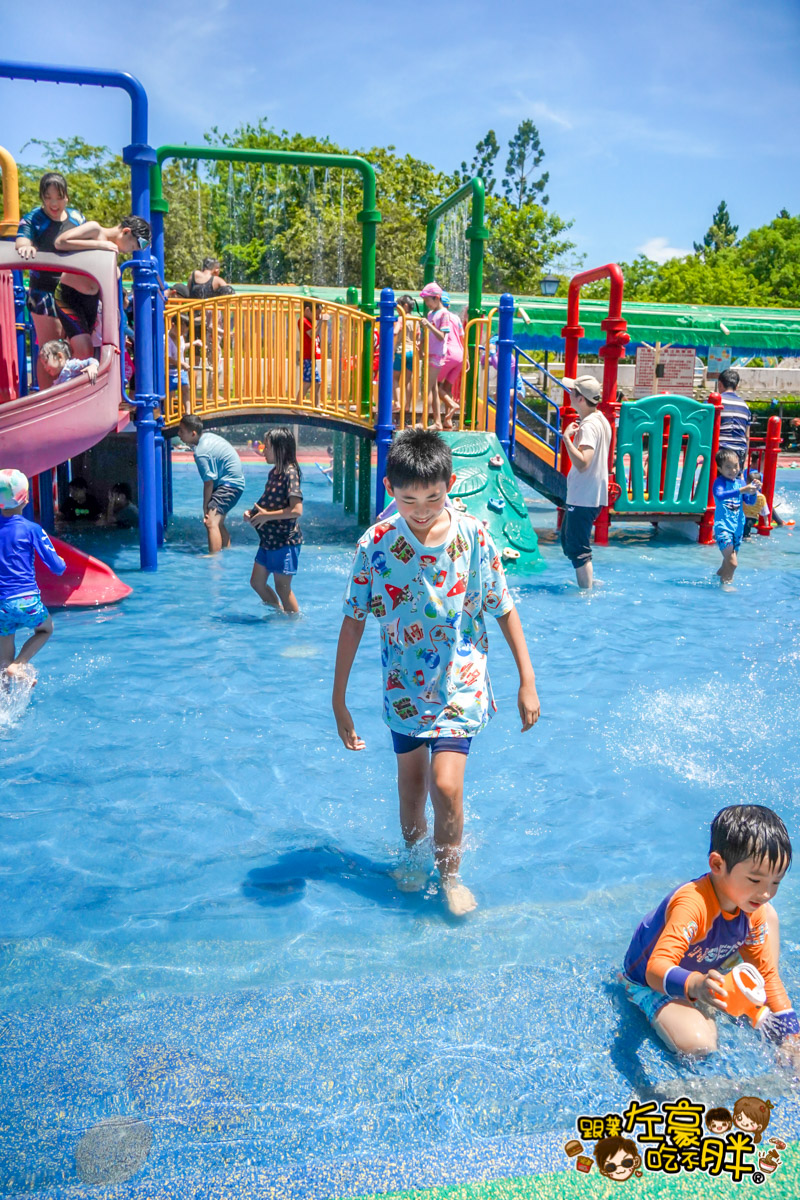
198 927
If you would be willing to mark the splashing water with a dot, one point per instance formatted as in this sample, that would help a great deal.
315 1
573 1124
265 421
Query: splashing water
340 237
15 696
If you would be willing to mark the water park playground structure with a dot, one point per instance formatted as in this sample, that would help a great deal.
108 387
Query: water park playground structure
245 361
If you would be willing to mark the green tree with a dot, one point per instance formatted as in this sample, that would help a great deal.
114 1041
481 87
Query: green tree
771 255
521 242
525 155
482 164
721 233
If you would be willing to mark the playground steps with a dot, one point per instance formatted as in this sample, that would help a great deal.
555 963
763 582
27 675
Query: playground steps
540 475
492 494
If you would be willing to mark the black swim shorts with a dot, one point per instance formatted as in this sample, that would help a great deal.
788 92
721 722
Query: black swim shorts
576 533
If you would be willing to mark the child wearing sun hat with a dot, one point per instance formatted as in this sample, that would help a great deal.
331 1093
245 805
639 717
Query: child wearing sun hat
21 605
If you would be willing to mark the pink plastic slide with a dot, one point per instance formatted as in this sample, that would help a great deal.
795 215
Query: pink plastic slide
45 428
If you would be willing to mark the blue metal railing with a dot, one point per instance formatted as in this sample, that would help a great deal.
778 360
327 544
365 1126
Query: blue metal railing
518 404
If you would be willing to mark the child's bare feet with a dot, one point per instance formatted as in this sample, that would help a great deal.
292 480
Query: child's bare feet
460 899
409 878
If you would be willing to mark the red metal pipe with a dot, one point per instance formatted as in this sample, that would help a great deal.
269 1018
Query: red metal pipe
706 535
771 450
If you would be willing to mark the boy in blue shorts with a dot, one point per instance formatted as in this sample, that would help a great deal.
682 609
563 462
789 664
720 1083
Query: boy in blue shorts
671 964
428 574
220 469
20 602
728 513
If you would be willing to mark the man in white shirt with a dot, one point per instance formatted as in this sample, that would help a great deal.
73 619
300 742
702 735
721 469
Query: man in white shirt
586 441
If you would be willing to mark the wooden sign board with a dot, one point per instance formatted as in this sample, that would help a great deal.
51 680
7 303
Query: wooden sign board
673 373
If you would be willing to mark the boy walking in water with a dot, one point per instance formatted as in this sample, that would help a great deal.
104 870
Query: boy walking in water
21 605
429 573
672 961
728 494
220 469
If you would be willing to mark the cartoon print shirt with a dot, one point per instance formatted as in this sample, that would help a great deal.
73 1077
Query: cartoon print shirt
430 602
728 514
690 932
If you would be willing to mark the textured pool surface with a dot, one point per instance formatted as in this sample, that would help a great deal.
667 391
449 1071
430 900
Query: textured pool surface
201 940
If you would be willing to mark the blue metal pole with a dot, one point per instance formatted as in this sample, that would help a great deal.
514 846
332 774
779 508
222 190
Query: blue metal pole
168 480
47 515
145 285
159 474
19 319
157 225
505 353
383 428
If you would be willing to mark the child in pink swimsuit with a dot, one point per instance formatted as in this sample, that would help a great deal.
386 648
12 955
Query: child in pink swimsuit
437 324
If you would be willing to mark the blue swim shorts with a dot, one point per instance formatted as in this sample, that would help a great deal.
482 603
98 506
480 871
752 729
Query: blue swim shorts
21 612
42 303
173 380
403 744
725 538
224 497
307 372
397 361
282 561
645 998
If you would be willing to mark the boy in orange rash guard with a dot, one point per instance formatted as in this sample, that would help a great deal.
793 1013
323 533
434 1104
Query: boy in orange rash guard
672 959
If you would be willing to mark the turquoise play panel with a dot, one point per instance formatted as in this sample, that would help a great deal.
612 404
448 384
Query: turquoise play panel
488 490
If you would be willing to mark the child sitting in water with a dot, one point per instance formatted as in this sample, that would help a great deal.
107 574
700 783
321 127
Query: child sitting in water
671 961
428 574
728 514
20 600
275 517
61 368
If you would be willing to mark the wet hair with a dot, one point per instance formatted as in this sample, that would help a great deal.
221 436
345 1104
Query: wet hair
191 422
56 347
79 482
284 448
210 264
757 1110
729 379
124 489
609 1146
418 456
137 225
718 1114
55 180
407 302
726 455
181 291
745 831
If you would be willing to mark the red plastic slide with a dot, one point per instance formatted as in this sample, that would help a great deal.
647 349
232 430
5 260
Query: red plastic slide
86 582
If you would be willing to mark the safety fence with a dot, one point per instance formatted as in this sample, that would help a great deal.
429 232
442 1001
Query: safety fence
261 352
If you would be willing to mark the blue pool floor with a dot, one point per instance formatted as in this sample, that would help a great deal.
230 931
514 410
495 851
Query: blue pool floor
198 924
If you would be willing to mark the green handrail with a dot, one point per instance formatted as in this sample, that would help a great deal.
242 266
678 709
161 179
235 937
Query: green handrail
369 217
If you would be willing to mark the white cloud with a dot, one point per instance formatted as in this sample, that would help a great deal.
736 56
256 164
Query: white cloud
659 249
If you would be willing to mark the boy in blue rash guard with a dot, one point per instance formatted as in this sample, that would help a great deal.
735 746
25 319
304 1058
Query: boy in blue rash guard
20 602
728 512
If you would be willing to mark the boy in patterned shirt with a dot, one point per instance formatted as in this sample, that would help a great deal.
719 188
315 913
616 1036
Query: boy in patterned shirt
428 574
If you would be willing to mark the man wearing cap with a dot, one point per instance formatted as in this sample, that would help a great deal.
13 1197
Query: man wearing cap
586 441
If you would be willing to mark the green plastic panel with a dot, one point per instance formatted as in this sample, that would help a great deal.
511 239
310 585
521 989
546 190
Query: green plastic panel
685 472
479 485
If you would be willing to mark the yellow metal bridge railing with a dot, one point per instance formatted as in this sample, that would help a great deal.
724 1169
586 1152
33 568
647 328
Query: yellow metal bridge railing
243 353
415 393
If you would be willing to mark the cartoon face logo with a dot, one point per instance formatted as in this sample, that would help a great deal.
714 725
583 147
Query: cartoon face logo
394 679
493 600
379 563
361 578
751 1115
427 560
617 1158
718 1120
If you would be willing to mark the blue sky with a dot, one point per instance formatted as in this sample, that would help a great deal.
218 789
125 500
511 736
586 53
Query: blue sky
649 113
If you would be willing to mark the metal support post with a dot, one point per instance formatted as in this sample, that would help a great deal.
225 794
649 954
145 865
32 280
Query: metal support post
338 463
349 472
383 428
144 287
47 516
19 318
505 356
364 479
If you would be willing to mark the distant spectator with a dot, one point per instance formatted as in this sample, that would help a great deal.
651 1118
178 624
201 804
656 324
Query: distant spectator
38 230
81 505
121 511
734 426
207 283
